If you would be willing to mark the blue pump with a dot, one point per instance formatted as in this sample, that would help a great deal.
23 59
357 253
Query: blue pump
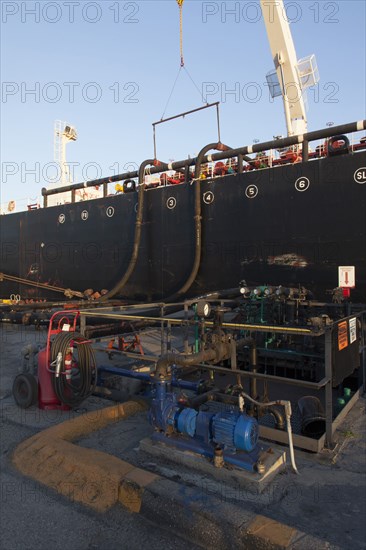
202 432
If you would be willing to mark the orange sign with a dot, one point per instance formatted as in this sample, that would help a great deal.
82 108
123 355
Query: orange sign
342 335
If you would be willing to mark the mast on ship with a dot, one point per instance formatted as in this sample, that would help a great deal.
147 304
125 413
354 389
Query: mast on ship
291 76
63 134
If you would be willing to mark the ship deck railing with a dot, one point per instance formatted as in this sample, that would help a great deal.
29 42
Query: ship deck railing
278 152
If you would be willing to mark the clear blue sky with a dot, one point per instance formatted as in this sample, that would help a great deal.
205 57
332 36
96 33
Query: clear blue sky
128 54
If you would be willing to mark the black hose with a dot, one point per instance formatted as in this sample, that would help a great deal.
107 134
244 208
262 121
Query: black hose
278 417
74 391
138 224
197 219
339 149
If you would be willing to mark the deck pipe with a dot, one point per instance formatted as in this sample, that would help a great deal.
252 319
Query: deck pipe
249 149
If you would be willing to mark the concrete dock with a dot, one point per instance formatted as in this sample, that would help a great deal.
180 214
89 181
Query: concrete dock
80 479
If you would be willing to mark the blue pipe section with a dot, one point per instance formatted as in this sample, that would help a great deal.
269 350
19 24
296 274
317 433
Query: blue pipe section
125 372
146 377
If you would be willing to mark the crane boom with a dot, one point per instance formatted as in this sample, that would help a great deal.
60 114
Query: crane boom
285 61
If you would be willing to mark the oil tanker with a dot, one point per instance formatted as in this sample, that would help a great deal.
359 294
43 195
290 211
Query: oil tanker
290 218
289 212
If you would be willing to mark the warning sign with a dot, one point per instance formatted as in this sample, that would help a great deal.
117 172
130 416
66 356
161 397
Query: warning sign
342 335
352 330
346 276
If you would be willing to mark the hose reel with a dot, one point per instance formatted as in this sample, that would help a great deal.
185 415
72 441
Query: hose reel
74 371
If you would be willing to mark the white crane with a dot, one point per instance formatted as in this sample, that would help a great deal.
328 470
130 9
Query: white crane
291 76
63 134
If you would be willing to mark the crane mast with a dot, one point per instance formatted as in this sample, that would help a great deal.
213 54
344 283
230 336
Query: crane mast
289 77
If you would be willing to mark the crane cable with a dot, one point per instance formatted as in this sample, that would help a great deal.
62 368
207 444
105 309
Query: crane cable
180 5
171 93
182 65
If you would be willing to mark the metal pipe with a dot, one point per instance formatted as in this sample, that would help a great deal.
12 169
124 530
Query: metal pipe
305 151
90 183
236 326
216 354
218 121
146 377
294 140
196 402
183 360
213 395
288 412
240 164
270 377
279 420
186 384
182 115
253 366
256 148
227 399
328 387
186 113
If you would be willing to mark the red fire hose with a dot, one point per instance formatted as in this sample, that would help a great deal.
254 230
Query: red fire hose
74 372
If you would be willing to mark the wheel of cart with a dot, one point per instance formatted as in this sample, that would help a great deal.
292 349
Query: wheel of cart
25 390
29 389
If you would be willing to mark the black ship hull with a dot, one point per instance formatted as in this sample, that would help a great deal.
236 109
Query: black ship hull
264 226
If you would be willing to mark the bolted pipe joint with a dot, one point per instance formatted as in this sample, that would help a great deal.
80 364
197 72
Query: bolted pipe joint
218 352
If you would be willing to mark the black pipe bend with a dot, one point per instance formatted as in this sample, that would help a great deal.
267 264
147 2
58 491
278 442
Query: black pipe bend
138 225
197 219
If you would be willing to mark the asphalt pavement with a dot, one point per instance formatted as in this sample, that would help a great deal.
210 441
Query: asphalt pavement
327 501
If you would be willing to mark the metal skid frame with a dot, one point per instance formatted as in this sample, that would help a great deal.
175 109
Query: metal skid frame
155 314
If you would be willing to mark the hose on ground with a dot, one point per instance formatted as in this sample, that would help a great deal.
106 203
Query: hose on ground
287 405
74 384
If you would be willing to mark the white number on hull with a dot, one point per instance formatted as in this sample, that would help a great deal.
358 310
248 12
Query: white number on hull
302 184
208 197
251 191
171 203
360 175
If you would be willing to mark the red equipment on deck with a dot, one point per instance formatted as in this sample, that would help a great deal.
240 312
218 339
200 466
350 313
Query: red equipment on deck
47 399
